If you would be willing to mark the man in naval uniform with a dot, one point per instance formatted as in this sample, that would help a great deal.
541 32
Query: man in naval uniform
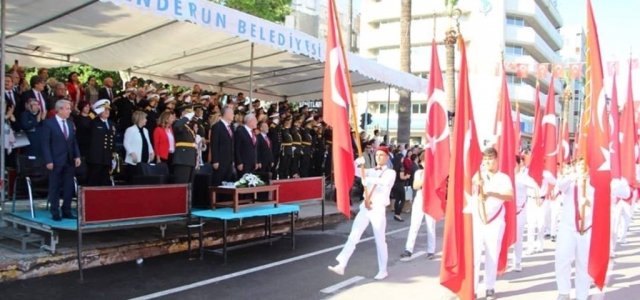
574 230
379 181
101 148
185 156
493 188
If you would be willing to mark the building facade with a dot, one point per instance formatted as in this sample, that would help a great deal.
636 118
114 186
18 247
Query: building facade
521 32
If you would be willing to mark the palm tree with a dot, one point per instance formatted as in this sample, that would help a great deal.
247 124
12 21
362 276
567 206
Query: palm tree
450 41
404 104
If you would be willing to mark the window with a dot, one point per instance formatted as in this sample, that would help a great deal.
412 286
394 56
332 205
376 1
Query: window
516 50
514 80
382 108
516 21
419 108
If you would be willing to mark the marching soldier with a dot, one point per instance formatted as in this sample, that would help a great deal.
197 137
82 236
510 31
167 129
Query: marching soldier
102 149
306 153
286 154
297 149
275 135
185 155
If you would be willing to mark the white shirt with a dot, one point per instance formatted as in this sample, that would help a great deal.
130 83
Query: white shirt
383 180
498 183
521 190
63 125
172 144
249 130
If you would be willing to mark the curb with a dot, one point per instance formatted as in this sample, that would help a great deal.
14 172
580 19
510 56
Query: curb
67 262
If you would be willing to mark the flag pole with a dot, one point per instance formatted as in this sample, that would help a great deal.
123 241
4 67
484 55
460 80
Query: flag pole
352 105
565 117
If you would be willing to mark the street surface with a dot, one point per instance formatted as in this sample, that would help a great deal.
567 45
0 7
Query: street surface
279 273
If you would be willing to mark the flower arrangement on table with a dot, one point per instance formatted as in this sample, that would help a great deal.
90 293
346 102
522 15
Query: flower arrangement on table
249 180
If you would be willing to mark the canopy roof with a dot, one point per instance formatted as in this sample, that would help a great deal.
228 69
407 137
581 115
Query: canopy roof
183 42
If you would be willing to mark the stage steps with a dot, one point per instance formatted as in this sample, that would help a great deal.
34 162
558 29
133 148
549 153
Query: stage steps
21 241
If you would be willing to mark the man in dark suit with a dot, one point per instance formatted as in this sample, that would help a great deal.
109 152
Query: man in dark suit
245 141
107 91
36 92
265 155
61 157
101 147
184 157
221 147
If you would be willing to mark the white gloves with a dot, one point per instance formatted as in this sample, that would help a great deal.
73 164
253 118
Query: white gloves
359 161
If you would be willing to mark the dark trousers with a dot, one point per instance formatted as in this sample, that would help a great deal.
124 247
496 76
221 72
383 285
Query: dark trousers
183 173
98 175
169 162
61 177
285 166
398 195
305 165
295 165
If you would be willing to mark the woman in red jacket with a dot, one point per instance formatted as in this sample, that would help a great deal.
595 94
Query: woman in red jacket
163 139
75 88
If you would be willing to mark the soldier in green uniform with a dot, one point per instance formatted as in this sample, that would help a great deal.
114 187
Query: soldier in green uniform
286 154
185 155
318 150
307 148
275 135
297 148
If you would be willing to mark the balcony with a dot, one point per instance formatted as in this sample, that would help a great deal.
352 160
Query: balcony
532 43
551 11
533 15
376 12
387 36
529 60
524 95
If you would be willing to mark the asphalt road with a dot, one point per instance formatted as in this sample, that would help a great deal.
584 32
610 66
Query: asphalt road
279 273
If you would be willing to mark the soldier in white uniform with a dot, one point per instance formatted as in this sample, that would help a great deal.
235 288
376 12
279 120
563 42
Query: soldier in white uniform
417 215
620 210
493 188
536 214
522 183
379 181
574 239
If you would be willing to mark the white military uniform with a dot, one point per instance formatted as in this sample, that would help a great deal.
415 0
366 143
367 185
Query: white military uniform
488 233
537 206
571 245
620 212
379 182
556 207
417 215
521 215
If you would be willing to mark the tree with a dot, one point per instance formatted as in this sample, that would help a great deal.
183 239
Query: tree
272 10
404 104
451 38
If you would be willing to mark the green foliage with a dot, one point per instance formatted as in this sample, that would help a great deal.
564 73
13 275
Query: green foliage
272 10
84 72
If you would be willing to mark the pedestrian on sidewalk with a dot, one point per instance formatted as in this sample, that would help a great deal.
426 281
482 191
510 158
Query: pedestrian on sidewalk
378 182
417 215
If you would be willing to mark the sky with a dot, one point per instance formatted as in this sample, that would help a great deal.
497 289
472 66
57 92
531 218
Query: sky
617 22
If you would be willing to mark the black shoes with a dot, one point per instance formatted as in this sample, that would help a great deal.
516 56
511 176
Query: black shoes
405 254
56 217
430 256
491 295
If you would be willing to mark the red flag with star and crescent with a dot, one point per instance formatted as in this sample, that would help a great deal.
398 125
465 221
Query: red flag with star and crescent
563 147
550 129
597 153
537 142
507 165
336 100
438 149
629 138
517 131
614 110
456 269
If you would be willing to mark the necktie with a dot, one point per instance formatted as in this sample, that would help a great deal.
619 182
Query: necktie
64 130
106 123
266 138
253 137
42 107
229 130
109 92
10 96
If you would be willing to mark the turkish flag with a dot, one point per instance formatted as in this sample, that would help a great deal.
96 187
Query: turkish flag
575 70
456 270
558 71
336 99
614 112
523 71
550 129
506 164
598 155
438 148
542 70
629 138
537 142
563 148
517 131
